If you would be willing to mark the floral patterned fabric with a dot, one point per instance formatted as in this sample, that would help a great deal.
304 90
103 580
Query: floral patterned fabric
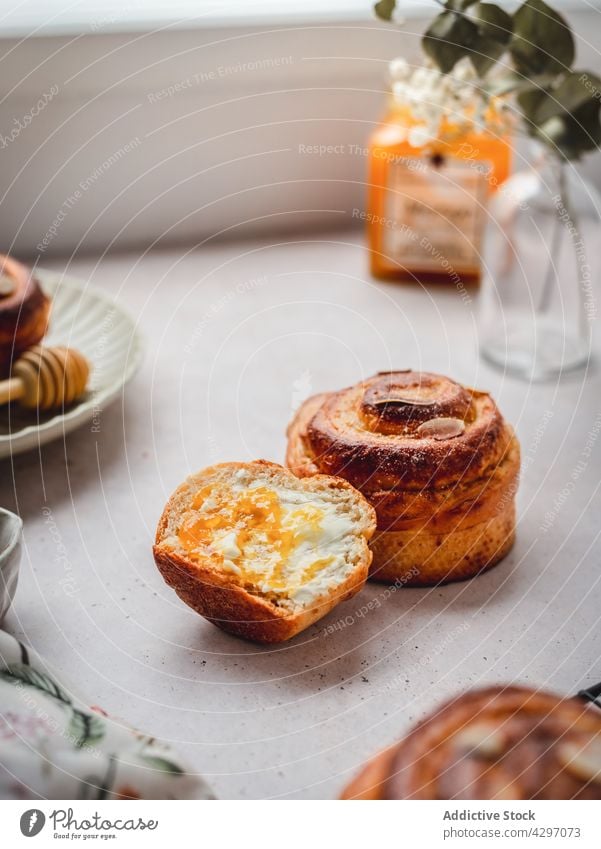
54 747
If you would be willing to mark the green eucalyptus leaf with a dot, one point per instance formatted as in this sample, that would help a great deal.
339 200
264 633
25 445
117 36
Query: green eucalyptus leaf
575 97
514 82
575 134
492 22
494 34
448 39
542 39
460 5
586 126
484 56
559 136
575 90
530 101
385 9
553 132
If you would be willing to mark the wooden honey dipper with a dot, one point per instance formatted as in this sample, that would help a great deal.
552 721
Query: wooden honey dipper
43 378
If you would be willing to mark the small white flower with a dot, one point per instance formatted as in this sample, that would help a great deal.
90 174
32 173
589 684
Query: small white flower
401 91
423 77
399 69
431 97
463 70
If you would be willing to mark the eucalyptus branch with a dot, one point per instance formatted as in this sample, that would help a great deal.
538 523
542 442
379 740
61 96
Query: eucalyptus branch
558 105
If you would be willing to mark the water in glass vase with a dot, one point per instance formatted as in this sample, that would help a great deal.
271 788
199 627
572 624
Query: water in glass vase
537 304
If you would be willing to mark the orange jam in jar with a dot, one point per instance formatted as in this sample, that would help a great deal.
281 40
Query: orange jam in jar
439 153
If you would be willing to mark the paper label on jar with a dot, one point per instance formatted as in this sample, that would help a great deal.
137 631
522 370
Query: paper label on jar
435 214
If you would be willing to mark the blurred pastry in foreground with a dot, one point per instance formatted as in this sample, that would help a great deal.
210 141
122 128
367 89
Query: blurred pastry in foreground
498 743
24 311
436 460
261 553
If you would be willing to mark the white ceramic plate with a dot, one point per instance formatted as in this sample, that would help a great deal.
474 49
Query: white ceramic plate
84 318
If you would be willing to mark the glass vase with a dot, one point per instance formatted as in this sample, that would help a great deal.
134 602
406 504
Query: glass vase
537 303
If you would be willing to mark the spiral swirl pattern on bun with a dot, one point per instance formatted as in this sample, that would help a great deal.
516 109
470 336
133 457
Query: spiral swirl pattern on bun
437 461
497 743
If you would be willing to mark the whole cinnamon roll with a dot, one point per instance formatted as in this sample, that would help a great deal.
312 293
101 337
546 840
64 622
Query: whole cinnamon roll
435 459
497 743
24 311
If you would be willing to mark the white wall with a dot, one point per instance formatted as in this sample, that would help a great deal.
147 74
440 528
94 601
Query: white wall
225 153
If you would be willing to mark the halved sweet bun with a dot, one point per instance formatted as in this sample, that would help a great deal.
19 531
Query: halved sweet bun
262 553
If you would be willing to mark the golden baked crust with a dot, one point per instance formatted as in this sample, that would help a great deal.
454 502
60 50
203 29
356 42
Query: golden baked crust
24 311
433 457
453 556
497 743
219 597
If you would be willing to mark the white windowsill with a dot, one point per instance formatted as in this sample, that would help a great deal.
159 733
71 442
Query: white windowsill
219 153
76 17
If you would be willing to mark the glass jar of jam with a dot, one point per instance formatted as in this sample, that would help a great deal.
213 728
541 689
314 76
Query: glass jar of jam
439 153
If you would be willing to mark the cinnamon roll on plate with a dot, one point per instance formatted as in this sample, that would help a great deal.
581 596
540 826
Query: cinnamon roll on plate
435 459
497 743
24 311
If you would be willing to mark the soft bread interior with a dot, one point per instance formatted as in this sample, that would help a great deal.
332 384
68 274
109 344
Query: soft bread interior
286 540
